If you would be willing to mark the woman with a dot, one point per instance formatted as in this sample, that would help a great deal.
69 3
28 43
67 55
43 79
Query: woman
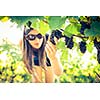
39 57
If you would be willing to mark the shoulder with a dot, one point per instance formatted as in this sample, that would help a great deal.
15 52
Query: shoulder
21 43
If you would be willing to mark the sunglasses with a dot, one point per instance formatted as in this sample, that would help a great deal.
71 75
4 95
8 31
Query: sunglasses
33 37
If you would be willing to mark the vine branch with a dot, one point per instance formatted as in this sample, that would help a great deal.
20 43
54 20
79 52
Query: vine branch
80 36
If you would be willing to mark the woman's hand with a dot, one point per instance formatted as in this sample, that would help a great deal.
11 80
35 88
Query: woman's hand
51 49
55 62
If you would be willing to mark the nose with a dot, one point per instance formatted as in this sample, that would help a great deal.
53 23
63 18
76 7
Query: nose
37 39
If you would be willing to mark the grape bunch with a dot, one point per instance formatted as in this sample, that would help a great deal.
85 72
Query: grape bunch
95 18
84 25
57 34
97 45
69 42
82 46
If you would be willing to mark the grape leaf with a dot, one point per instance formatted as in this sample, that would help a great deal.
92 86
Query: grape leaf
22 20
90 47
73 19
44 27
56 22
83 18
71 29
4 18
1 17
94 30
94 17
61 45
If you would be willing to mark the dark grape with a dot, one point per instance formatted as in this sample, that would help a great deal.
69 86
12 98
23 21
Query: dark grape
57 34
69 42
98 56
97 45
84 26
66 40
52 38
47 36
82 46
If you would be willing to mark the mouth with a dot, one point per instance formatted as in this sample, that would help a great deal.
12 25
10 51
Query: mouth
36 44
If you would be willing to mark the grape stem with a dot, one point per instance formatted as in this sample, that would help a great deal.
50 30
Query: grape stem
45 21
80 36
97 74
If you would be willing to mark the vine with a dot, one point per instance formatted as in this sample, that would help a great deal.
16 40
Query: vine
67 29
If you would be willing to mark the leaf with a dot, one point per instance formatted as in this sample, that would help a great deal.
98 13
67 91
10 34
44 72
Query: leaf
44 27
55 22
61 45
98 38
1 17
94 30
71 29
36 25
91 38
90 47
22 20
4 19
83 18
74 19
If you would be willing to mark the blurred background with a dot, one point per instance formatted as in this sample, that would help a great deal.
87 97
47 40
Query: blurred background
78 67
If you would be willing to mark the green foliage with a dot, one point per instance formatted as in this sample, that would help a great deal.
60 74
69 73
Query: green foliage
71 29
22 20
41 26
55 22
94 31
77 69
1 17
11 66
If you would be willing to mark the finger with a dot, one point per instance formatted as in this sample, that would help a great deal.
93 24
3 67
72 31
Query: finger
47 49
51 46
30 71
56 40
50 40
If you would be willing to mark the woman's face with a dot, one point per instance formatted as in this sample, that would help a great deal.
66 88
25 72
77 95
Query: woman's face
37 41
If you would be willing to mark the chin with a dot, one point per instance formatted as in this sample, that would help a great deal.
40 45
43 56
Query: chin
36 47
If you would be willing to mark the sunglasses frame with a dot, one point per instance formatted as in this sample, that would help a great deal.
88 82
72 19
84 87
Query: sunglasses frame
35 36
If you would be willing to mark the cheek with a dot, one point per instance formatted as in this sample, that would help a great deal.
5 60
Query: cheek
41 41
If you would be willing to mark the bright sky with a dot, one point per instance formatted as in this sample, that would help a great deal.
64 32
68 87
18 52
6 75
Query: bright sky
9 30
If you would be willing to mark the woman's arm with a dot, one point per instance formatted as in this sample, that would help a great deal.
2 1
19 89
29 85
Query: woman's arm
55 62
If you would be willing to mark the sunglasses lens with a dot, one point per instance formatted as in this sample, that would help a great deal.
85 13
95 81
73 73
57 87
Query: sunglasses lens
39 36
31 37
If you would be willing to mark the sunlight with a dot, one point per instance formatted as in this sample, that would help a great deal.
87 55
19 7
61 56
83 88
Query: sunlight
10 31
3 58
